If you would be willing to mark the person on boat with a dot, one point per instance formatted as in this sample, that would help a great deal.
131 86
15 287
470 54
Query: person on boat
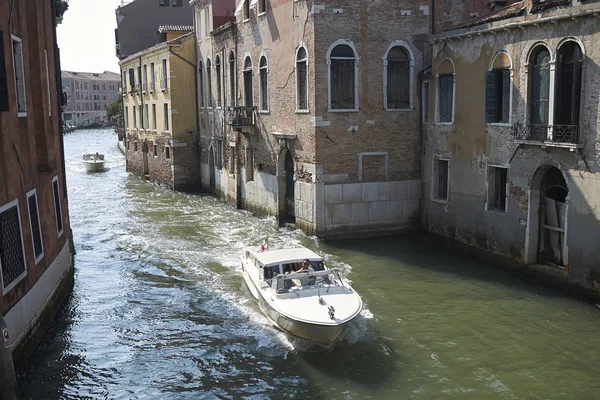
305 266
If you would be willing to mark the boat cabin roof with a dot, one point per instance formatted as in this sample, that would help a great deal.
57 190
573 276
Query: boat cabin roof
283 256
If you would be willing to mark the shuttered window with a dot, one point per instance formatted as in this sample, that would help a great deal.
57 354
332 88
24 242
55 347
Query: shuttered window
264 94
342 78
12 253
398 78
209 83
231 79
248 93
218 67
568 85
57 206
3 79
301 79
540 87
446 97
131 79
497 96
17 46
34 223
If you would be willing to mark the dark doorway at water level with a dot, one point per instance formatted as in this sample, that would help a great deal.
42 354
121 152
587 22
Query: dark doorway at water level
553 212
289 214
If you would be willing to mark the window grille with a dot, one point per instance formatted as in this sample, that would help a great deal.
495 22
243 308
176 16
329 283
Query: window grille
12 258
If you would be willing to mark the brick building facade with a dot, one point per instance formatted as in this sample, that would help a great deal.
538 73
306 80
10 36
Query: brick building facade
36 268
511 157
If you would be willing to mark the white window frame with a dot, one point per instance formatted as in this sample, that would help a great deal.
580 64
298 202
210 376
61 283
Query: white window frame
60 232
266 3
434 181
20 43
166 122
511 83
487 188
24 273
411 83
437 94
356 59
33 192
260 93
244 70
152 87
154 116
299 110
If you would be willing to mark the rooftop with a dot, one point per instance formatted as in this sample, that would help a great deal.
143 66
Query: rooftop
282 255
92 76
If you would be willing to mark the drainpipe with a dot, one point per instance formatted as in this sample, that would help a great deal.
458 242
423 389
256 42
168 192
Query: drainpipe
8 380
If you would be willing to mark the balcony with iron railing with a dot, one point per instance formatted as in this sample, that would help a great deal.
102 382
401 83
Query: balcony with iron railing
547 135
241 116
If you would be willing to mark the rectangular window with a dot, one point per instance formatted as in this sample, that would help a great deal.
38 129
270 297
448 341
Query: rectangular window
131 79
206 22
145 78
166 116
163 3
164 76
155 150
497 188
3 78
153 116
146 116
152 78
231 159
497 96
446 97
57 206
398 84
139 77
262 6
440 179
126 117
176 3
167 152
141 110
19 71
246 9
34 224
425 98
134 117
342 84
12 251
249 164
135 146
219 154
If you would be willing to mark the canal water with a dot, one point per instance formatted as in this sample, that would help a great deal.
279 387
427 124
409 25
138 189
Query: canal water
159 311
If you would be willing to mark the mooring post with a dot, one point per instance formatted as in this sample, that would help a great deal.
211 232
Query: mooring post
8 379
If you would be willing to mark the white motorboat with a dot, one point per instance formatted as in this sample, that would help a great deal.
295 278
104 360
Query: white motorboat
93 162
316 305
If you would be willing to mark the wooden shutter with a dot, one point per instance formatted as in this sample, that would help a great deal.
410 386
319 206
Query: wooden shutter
491 96
3 84
505 95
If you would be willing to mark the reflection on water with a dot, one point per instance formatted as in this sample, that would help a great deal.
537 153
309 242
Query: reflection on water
159 310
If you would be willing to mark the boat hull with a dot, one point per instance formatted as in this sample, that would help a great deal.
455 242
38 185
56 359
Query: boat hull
324 335
94 166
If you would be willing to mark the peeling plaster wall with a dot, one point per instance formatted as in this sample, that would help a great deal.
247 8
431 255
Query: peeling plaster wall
471 145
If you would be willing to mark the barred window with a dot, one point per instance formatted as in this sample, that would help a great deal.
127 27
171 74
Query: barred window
59 223
34 223
12 252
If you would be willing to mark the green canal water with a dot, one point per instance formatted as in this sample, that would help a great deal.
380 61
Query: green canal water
159 311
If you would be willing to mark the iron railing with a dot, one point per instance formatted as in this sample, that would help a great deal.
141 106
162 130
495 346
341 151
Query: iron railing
240 116
568 134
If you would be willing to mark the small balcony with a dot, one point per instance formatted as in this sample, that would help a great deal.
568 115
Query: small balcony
547 135
240 117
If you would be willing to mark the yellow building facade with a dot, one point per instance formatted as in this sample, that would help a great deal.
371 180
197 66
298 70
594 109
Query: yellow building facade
159 103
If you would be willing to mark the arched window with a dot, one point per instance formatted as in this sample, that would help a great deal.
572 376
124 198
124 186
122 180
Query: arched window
397 85
231 79
568 85
218 68
445 81
343 77
200 84
301 79
498 89
248 100
209 82
264 94
539 75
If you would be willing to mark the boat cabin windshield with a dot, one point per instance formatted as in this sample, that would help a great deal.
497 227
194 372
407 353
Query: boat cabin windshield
327 278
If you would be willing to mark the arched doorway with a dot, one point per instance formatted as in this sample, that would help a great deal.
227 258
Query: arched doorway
211 167
548 205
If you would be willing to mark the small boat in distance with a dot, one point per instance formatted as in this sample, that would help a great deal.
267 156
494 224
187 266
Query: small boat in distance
313 303
93 162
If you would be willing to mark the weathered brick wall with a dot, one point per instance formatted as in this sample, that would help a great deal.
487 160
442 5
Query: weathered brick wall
159 166
472 145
